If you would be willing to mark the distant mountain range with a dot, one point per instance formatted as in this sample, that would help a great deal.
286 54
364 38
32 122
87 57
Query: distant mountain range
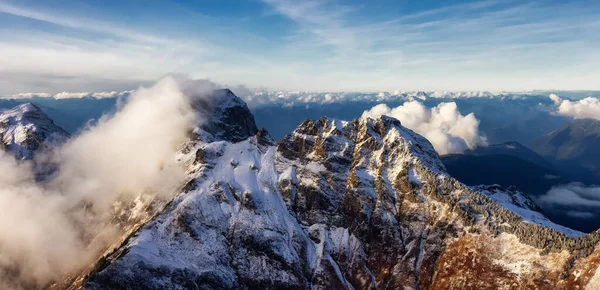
70 114
515 149
506 170
507 164
511 164
575 148
504 117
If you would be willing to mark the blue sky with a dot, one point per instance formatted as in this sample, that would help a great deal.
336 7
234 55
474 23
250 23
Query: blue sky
312 45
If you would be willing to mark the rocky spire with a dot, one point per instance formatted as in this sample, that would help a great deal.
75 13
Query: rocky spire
229 117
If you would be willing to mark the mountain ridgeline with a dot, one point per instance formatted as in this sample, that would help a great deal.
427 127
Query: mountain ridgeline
363 204
574 147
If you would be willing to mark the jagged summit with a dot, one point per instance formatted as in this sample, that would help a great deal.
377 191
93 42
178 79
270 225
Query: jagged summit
26 128
325 135
229 117
28 107
226 98
26 111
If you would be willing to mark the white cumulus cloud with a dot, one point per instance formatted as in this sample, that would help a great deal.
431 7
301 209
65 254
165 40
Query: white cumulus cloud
581 109
443 125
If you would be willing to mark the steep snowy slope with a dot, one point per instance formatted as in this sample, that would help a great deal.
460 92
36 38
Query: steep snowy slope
26 128
364 204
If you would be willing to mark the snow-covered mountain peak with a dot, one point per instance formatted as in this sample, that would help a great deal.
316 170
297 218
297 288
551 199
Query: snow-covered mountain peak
27 107
415 146
26 128
25 111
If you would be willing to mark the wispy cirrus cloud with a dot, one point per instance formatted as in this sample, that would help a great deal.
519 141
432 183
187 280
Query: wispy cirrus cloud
315 45
64 50
79 23
478 41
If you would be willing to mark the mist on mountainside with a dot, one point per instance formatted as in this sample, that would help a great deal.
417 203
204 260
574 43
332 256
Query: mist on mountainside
126 158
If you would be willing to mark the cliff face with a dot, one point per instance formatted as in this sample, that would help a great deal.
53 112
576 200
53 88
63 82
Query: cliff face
365 204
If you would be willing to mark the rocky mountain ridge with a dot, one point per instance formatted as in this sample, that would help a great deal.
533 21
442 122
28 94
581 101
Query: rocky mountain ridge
364 204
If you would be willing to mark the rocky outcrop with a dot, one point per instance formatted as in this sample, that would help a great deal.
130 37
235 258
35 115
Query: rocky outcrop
229 117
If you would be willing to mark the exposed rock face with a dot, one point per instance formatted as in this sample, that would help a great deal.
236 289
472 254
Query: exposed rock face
230 119
26 129
365 204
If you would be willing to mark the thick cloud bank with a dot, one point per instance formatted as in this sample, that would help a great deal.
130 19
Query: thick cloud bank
443 125
53 227
581 109
575 199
